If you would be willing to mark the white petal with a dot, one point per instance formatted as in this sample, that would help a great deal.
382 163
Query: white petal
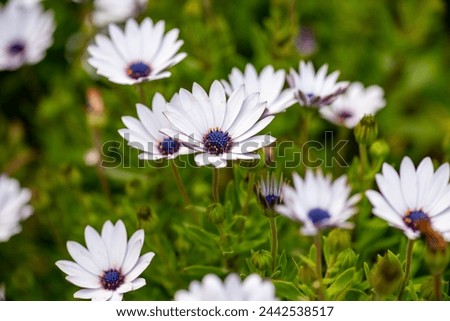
141 265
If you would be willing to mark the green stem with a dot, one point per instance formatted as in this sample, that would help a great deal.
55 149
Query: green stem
437 287
409 251
179 182
274 240
215 185
142 93
364 160
304 130
318 244
251 183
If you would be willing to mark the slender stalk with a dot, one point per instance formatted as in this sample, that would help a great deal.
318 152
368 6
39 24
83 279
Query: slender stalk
96 138
215 185
318 244
274 240
437 287
179 182
409 250
142 93
304 130
251 183
364 160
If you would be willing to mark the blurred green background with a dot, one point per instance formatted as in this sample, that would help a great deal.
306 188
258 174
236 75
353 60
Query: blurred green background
402 46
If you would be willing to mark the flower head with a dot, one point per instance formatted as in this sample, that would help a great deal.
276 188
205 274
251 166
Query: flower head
218 128
140 53
270 190
109 266
318 202
416 200
13 207
315 89
26 35
350 107
144 133
269 84
211 288
107 11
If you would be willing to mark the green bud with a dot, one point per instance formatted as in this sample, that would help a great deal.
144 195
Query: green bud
262 260
366 131
436 260
216 213
379 150
144 213
338 240
346 259
386 274
427 289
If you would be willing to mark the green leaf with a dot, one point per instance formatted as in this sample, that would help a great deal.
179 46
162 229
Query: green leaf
202 270
287 290
341 283
204 238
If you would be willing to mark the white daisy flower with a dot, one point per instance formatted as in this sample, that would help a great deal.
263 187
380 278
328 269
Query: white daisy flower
109 266
218 128
211 288
315 89
416 195
269 84
318 202
144 133
26 33
350 107
140 53
270 190
107 11
25 3
13 207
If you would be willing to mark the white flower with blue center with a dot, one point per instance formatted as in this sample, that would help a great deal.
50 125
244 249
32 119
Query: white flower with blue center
318 202
217 128
269 84
414 196
350 107
315 89
144 133
25 35
14 207
109 266
270 190
211 288
139 53
107 11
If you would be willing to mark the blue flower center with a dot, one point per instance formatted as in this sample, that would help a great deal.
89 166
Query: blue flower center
318 216
217 142
344 114
169 146
271 200
16 48
112 279
413 217
138 70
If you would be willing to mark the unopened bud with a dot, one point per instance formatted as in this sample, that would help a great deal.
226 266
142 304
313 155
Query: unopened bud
144 213
386 274
379 150
436 260
216 213
339 240
96 108
262 260
366 131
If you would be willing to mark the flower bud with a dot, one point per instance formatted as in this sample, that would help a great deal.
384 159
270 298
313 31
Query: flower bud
96 108
144 213
338 240
379 150
436 260
366 131
261 259
216 213
386 274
